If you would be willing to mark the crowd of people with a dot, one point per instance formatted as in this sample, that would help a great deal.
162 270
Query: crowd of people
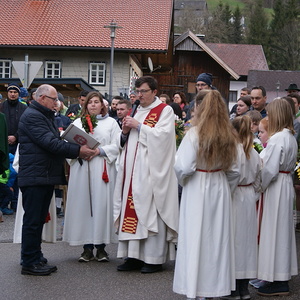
221 205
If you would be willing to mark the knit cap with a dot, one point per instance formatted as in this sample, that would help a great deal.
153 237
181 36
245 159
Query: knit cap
13 86
205 77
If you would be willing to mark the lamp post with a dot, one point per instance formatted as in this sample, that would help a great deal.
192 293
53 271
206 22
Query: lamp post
277 87
113 26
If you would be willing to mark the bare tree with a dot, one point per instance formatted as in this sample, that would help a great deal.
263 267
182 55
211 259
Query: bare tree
190 20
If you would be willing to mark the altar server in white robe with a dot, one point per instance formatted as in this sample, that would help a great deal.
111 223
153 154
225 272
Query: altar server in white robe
146 195
207 167
244 211
89 210
277 257
49 229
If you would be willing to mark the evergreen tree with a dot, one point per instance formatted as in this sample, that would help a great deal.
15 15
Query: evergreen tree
237 27
189 21
225 13
218 25
257 24
273 52
284 43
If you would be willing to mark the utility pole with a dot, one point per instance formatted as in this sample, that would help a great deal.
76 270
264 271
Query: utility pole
277 87
113 26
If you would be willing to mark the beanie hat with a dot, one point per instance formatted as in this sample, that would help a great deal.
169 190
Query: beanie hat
13 86
205 77
23 92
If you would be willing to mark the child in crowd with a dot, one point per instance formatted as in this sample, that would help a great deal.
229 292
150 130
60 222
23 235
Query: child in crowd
277 257
199 97
244 211
205 254
7 181
263 131
255 117
263 136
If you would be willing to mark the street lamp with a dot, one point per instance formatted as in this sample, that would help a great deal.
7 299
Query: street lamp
277 87
113 26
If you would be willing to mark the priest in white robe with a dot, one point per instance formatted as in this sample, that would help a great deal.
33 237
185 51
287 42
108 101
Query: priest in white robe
146 197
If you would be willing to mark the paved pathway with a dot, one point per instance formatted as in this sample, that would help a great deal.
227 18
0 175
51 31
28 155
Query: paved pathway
93 280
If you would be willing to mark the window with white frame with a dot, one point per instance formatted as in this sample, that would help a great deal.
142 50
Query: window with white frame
233 96
52 69
5 68
97 73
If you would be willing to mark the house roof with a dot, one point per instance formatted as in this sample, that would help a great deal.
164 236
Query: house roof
273 79
240 57
201 46
146 24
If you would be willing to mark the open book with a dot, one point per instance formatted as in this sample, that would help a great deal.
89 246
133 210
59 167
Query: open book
75 135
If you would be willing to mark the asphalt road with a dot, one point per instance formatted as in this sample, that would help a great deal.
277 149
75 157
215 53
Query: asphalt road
93 280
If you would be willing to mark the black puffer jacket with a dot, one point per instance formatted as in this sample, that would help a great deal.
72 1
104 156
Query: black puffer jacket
13 110
41 151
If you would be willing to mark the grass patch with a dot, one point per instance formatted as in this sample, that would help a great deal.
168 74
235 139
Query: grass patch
213 4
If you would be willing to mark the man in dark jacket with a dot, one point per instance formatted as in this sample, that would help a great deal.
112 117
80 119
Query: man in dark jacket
13 110
74 109
42 154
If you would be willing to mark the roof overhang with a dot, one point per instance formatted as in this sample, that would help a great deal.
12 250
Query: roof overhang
76 48
61 84
201 44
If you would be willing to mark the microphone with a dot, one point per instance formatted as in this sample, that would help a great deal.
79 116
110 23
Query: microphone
134 108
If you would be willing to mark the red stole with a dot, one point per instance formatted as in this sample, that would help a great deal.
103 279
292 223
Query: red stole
130 217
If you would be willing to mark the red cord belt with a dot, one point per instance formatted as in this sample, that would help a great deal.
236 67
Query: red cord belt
209 171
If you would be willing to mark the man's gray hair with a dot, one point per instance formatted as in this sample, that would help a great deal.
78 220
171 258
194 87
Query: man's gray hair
42 90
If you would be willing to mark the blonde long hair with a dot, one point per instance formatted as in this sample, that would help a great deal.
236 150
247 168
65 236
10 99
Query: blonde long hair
280 116
242 125
217 143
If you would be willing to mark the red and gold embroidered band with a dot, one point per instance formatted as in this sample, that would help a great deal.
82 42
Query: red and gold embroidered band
154 115
130 217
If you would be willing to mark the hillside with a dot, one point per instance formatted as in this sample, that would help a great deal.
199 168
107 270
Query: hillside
212 4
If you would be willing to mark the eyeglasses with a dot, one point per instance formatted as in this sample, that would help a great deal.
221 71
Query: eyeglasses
52 98
201 84
142 91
